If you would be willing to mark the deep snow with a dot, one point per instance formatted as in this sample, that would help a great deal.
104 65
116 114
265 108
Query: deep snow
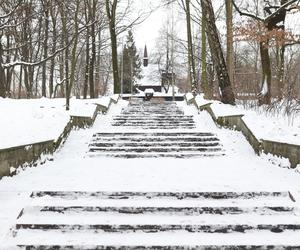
263 124
30 121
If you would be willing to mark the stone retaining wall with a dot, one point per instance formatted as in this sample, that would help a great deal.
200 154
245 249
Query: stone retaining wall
12 158
290 151
236 122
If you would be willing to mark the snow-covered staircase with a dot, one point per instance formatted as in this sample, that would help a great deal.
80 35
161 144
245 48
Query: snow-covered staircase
153 115
145 145
158 220
164 131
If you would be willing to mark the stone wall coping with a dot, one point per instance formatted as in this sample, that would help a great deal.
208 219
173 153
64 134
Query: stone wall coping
282 143
26 145
115 98
189 97
241 115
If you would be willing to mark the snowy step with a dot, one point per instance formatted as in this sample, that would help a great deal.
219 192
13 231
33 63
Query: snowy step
156 241
170 247
158 220
154 122
151 119
155 125
163 195
154 116
144 119
156 134
138 149
170 111
146 126
152 112
179 216
154 155
164 203
136 145
126 228
158 139
164 103
264 210
155 144
151 106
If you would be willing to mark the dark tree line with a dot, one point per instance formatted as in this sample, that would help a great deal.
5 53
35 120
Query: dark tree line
264 25
58 48
45 44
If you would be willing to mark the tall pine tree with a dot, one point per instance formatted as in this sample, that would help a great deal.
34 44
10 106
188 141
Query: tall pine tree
131 64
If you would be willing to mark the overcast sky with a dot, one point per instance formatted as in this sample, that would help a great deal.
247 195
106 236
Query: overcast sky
148 31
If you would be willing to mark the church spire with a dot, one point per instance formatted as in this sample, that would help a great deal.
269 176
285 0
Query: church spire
146 57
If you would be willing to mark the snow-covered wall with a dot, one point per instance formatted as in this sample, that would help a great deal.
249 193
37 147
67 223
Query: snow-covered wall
19 148
232 117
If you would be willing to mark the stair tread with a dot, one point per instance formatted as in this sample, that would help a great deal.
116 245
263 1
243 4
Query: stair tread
223 195
163 247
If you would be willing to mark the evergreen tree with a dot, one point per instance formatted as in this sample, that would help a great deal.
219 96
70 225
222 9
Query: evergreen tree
131 64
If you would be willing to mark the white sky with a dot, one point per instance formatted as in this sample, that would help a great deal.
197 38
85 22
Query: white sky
148 31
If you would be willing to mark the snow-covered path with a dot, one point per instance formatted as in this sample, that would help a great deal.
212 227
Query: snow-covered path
72 169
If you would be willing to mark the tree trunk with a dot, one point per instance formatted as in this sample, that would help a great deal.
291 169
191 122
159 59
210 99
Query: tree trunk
2 74
280 76
229 40
205 85
65 39
74 58
98 63
191 60
111 13
265 93
93 55
227 95
52 62
20 82
86 75
46 35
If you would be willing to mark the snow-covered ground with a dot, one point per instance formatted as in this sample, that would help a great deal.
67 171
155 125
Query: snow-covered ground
264 125
26 121
73 170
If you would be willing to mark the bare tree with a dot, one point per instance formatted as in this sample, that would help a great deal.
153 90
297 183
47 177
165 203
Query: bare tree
274 16
229 40
111 11
227 95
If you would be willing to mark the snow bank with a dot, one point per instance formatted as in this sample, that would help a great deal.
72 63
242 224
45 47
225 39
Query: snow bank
31 121
28 121
200 101
264 126
103 101
82 108
219 108
273 128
